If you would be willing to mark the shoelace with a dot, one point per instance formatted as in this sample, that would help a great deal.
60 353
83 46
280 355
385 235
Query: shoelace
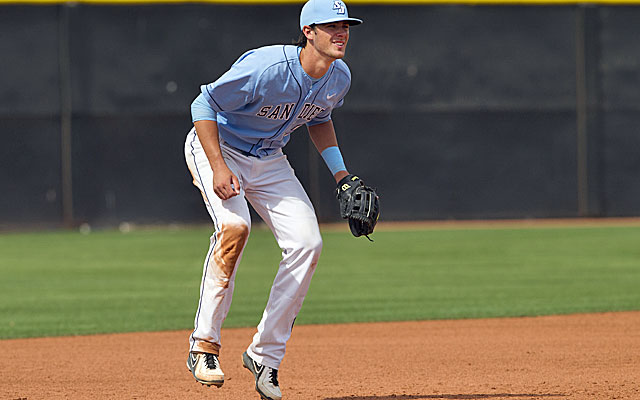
210 361
274 377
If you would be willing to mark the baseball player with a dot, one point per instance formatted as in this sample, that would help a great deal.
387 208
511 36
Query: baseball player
234 153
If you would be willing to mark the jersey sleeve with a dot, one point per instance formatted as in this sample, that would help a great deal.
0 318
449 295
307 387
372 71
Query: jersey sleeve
202 110
321 118
325 115
236 87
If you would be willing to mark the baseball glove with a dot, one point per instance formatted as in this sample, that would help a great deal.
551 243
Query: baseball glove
360 204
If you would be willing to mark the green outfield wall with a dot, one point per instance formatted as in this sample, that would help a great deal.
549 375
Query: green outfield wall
456 110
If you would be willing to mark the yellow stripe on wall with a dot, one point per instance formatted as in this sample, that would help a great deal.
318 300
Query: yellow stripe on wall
361 2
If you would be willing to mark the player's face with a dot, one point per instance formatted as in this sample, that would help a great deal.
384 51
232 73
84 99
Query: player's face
331 39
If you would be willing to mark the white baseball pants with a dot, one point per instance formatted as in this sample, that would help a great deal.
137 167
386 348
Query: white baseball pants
270 185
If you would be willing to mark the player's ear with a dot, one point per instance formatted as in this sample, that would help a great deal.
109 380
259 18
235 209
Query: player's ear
308 31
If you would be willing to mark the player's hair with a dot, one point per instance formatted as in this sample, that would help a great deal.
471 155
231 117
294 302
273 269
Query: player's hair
302 39
301 42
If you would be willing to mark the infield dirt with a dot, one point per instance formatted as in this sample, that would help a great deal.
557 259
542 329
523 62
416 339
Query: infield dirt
587 356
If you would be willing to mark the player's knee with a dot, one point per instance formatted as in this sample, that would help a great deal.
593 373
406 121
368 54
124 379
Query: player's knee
311 244
310 249
230 242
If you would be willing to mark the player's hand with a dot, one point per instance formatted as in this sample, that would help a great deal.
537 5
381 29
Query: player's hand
225 183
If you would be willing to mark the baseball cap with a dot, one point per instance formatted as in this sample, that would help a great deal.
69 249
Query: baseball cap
325 11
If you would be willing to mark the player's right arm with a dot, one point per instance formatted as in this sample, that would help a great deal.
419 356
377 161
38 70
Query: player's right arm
229 92
225 183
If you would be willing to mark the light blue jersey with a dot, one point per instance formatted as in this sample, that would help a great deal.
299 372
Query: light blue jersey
266 95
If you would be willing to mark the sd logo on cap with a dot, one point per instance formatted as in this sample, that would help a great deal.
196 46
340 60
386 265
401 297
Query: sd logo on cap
316 12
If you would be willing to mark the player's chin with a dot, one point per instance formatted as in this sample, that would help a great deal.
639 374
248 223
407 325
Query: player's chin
339 49
338 54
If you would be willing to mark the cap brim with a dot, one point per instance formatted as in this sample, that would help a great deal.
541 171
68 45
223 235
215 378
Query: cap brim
351 21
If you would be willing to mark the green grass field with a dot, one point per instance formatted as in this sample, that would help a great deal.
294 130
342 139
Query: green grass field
64 283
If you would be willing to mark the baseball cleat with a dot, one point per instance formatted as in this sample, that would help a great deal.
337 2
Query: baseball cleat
205 368
266 378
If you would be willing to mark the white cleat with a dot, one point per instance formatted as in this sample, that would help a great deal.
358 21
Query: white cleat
266 378
205 368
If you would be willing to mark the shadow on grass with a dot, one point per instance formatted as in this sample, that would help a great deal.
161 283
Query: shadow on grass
449 396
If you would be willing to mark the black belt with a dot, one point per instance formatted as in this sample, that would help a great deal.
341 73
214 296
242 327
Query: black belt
245 153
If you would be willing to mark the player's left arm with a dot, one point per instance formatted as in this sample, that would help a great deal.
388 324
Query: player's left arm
323 136
358 203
